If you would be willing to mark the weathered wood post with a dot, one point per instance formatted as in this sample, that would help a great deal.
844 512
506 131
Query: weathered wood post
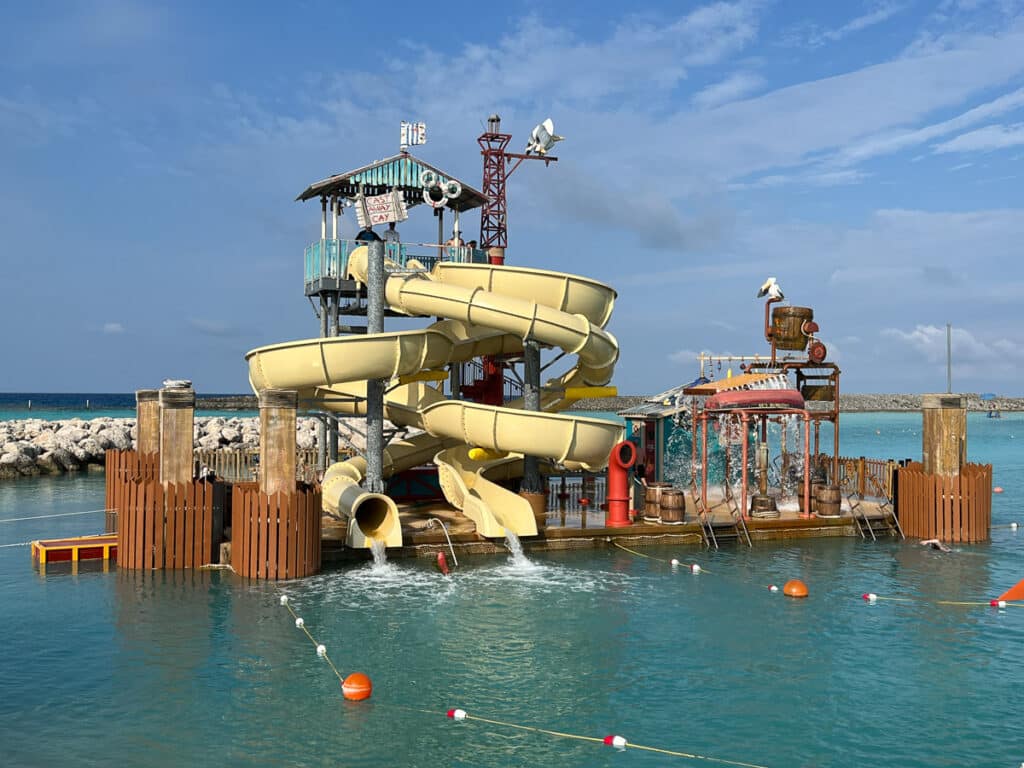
147 420
277 440
177 416
944 434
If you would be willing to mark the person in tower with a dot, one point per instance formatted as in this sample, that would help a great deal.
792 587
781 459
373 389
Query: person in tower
391 234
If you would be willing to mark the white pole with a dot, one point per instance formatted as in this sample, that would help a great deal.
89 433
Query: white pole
323 217
335 202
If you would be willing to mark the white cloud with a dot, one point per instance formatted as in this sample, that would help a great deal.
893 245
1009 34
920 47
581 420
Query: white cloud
734 87
929 342
986 139
883 12
113 328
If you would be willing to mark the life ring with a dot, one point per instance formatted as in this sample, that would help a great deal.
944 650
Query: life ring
428 179
441 202
755 398
452 189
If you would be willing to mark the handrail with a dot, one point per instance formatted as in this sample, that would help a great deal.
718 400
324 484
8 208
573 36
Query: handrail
328 257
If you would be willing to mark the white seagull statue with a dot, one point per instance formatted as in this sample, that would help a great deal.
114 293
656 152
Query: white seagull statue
543 138
771 289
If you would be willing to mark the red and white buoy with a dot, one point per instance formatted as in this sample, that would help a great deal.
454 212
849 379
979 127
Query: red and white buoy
619 742
457 714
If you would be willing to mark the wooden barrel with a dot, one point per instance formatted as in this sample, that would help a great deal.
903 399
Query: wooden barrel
652 500
787 327
816 485
654 491
828 501
673 506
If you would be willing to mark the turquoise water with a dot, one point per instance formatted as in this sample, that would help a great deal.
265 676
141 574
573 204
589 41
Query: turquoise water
204 668
52 406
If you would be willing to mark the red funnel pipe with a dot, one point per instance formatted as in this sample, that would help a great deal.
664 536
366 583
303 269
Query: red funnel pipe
622 457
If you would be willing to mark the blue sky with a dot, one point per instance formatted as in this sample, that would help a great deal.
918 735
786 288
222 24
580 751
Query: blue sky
867 154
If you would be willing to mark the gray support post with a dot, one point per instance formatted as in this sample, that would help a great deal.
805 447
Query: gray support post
375 387
321 427
332 425
531 402
455 380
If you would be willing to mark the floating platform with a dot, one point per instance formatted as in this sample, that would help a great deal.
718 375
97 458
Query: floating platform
73 550
577 526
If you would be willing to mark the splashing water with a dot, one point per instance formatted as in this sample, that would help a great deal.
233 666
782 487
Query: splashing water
515 549
379 551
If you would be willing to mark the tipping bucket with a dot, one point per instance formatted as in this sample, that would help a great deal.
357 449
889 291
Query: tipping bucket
828 501
673 506
788 327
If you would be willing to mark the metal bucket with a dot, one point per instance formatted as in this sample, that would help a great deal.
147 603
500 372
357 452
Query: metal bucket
673 506
787 327
828 502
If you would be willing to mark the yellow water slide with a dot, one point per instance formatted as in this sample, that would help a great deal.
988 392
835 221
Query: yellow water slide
490 310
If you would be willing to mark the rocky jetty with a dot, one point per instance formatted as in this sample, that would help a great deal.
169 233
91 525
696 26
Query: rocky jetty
36 447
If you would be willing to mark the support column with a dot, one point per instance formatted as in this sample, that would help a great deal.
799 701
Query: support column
177 417
321 427
277 440
496 255
455 380
374 481
147 420
531 487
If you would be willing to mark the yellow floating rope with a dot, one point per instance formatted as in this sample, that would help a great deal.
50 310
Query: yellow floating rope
652 557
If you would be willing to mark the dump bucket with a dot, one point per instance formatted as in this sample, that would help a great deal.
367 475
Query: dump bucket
787 327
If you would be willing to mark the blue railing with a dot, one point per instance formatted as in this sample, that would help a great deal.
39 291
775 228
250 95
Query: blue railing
329 257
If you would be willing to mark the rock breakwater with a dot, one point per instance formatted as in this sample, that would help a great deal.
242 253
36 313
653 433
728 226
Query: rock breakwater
30 447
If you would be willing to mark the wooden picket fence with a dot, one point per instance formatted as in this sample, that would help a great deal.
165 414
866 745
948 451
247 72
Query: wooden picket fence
276 536
240 465
859 475
165 527
953 509
122 470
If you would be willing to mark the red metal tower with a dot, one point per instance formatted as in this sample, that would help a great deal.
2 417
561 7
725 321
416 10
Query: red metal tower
493 215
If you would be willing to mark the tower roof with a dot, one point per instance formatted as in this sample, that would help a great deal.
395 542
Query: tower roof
401 172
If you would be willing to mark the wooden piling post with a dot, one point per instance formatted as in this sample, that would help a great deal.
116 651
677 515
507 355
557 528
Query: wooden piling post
277 440
177 415
944 434
147 420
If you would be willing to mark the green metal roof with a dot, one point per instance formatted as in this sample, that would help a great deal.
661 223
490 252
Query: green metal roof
401 172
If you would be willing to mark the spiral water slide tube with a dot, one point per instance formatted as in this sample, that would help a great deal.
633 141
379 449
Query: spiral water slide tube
490 310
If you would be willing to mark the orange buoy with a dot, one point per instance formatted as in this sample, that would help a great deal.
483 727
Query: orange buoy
997 489
356 687
795 588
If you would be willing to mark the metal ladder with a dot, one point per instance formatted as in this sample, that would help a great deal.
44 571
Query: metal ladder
866 525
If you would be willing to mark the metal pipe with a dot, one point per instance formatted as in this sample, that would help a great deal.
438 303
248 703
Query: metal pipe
335 204
374 481
622 457
531 402
445 529
746 451
807 465
323 217
704 459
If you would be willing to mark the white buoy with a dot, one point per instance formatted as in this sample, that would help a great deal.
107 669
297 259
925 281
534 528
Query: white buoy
695 568
321 650
674 563
871 597
284 599
1013 526
300 623
773 588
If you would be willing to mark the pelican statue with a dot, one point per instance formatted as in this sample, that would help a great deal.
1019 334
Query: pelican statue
543 138
771 289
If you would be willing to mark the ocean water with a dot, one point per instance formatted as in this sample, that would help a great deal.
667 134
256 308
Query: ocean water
51 406
174 668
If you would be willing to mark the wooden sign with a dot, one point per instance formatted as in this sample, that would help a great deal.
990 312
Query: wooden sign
380 209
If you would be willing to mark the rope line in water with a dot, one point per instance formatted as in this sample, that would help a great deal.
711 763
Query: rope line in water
659 559
459 714
870 597
312 639
61 514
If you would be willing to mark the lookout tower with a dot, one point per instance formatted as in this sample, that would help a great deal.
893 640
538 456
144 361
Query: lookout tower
338 300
